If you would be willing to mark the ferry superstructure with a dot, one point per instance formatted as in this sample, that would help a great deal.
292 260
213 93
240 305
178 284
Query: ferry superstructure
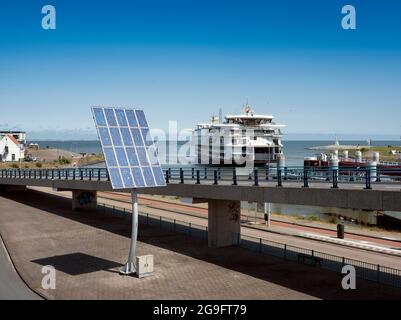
239 139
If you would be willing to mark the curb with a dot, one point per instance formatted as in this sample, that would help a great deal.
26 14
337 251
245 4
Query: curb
40 294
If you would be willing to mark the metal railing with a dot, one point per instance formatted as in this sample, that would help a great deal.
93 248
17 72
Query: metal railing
364 270
335 177
167 224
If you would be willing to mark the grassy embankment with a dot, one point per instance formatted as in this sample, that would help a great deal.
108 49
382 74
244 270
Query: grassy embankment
385 152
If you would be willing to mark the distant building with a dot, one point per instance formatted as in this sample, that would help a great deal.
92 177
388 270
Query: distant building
20 136
11 149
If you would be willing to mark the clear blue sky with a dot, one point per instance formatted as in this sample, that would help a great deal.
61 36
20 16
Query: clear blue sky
182 60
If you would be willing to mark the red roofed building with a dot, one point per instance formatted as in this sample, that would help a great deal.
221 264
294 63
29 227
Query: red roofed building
11 149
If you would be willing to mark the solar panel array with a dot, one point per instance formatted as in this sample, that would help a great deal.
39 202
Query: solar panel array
128 148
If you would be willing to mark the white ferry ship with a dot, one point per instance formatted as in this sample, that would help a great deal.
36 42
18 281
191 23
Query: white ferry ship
238 140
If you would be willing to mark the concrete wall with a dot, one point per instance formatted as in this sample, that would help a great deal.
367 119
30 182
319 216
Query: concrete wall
83 200
223 222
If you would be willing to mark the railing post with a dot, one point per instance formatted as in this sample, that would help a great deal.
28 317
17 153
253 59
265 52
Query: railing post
285 173
197 176
193 173
256 177
181 175
167 177
279 178
267 172
306 181
98 174
107 175
205 173
367 179
260 245
34 173
67 173
335 179
378 178
81 173
219 173
235 177
59 174
215 177
90 175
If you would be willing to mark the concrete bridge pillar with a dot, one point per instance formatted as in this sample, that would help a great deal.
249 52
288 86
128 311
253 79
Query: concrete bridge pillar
84 200
223 222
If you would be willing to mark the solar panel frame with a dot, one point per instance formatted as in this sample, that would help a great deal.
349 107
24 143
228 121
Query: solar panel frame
128 147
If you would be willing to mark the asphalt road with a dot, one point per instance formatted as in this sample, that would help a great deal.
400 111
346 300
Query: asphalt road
11 285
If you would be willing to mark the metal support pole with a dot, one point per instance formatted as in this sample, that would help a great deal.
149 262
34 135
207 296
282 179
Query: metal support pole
197 176
181 175
167 177
367 179
335 179
256 177
279 178
130 267
215 177
267 210
306 181
234 177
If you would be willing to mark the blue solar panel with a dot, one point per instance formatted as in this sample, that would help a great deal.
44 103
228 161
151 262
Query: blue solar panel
99 116
121 157
132 158
126 137
136 134
146 136
159 176
110 157
111 119
128 148
142 156
127 178
116 137
140 115
122 121
115 178
137 173
105 137
131 118
148 175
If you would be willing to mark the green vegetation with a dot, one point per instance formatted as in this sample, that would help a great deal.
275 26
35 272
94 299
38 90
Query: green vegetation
384 151
63 161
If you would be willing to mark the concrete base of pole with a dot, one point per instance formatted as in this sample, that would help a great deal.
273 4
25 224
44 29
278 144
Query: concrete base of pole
128 270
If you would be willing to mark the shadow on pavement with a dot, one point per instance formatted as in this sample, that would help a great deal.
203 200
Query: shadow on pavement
77 263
